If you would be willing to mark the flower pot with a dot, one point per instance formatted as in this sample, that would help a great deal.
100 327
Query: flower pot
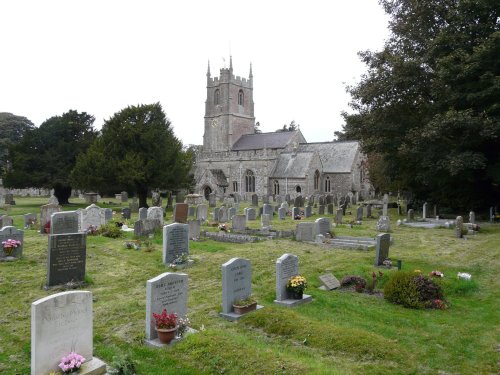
295 295
240 310
8 250
165 335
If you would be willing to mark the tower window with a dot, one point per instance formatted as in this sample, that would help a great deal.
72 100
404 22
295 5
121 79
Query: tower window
240 97
235 186
276 187
327 185
249 181
316 180
216 97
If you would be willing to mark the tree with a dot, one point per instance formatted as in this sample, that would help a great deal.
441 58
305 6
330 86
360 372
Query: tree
136 151
428 104
12 129
46 155
289 128
256 128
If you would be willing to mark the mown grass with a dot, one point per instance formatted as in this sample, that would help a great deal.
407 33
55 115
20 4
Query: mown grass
338 333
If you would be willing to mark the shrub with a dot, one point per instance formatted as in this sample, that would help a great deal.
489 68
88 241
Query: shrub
412 290
353 280
110 230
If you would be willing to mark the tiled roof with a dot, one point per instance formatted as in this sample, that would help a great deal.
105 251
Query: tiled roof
263 140
336 157
220 177
291 165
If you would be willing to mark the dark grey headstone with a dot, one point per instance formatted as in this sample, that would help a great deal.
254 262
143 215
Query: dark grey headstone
359 213
239 222
66 258
11 233
382 248
126 213
295 212
329 208
143 213
175 241
321 210
323 225
146 227
255 200
64 222
308 211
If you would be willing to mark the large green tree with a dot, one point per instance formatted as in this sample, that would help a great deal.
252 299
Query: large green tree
429 105
12 129
46 155
136 151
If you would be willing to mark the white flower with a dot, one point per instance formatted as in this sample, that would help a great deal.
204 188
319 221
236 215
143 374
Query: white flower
464 275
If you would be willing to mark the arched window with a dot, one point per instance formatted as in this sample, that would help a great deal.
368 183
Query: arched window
316 180
298 189
216 97
276 187
240 97
327 185
249 181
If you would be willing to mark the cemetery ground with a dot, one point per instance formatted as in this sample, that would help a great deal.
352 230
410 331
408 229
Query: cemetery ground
338 333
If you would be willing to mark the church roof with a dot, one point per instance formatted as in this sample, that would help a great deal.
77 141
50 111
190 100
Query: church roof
263 140
292 165
336 157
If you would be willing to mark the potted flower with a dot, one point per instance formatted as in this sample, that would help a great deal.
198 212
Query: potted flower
71 363
295 286
244 305
166 325
9 246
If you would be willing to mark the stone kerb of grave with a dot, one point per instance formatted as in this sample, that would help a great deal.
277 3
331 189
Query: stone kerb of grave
236 285
287 266
166 291
175 241
11 233
62 323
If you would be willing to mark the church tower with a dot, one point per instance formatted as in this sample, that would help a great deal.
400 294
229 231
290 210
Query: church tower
229 109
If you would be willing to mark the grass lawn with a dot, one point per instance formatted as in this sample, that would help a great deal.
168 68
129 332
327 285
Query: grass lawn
338 333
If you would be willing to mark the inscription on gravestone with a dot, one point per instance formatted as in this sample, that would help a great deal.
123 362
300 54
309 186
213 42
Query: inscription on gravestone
175 241
64 222
286 266
66 260
329 281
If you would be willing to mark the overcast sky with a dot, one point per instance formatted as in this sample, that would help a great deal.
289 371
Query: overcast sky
101 56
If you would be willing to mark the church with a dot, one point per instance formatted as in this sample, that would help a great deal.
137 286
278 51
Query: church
235 159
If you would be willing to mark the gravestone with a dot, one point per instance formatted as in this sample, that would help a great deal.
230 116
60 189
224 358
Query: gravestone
166 291
64 222
329 282
191 211
143 213
6 221
322 200
231 213
411 215
202 212
329 208
239 222
91 216
265 220
285 206
255 200
296 213
251 213
66 258
11 233
492 214
179 198
323 226
298 202
223 214
62 323
384 224
338 216
310 201
9 198
359 213
288 199
175 241
287 266
124 196
321 209
282 213
215 214
305 232
134 205
194 228
308 211
385 199
146 227
126 213
212 200
170 201
268 209
384 209
472 217
236 285
329 199
319 238
156 199
260 211
108 214
265 199
382 248
424 211
29 220
369 211
181 212
155 213
459 222
46 212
